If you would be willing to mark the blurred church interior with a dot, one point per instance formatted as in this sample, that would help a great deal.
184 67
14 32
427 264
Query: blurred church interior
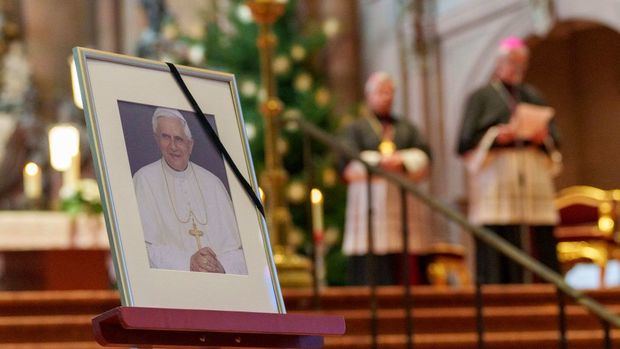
55 266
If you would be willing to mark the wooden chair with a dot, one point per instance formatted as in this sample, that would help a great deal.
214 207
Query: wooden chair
586 228
615 252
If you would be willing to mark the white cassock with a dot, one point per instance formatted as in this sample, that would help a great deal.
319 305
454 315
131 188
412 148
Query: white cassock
167 225
387 208
511 186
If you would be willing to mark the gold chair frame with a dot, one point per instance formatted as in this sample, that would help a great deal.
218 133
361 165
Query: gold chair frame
590 241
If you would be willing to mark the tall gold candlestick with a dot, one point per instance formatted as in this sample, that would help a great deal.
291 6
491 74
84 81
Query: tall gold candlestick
293 270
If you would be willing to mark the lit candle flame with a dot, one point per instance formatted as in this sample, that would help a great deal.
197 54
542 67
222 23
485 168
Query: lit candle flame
32 181
31 169
316 196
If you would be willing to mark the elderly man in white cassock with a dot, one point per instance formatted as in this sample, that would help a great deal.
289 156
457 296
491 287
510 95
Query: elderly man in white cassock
395 145
187 214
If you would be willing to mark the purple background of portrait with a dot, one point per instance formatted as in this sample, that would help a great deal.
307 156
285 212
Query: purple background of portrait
142 149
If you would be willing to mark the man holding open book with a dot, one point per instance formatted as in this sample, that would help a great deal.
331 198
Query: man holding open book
509 143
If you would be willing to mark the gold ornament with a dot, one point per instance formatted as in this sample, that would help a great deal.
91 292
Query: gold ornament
281 65
298 52
196 54
331 236
303 82
331 27
296 192
244 13
330 177
322 97
248 88
292 113
282 146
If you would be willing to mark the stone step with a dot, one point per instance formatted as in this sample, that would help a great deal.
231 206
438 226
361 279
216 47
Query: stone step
57 328
46 328
76 334
461 320
57 302
519 316
434 297
335 298
499 340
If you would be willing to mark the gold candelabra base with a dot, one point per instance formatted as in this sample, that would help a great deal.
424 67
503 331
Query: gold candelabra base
293 270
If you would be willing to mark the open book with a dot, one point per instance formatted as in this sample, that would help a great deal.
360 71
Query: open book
529 119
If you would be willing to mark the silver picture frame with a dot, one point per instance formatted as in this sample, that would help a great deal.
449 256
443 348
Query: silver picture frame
107 78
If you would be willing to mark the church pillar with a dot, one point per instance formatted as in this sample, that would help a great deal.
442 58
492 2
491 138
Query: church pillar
426 91
341 57
72 25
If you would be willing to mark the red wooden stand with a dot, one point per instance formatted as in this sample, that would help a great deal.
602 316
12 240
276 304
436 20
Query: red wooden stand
147 327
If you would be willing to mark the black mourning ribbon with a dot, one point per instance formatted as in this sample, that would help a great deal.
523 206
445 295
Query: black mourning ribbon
215 139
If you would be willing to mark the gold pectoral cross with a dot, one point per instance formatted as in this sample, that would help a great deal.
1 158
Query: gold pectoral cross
387 147
197 233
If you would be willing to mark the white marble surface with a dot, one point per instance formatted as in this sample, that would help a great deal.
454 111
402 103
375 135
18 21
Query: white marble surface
48 230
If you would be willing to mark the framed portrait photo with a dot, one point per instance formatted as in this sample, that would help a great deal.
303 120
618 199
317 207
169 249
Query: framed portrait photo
183 232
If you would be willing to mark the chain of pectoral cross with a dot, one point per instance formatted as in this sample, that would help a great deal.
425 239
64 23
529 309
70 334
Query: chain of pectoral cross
193 231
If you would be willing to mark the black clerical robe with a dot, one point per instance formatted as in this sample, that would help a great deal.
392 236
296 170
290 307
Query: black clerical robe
513 184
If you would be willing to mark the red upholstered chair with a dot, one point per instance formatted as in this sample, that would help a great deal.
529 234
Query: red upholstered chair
586 228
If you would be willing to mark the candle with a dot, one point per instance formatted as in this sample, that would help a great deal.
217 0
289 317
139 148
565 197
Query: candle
316 198
71 176
32 181
64 142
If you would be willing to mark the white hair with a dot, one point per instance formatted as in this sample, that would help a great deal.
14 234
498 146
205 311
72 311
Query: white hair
173 114
375 79
503 52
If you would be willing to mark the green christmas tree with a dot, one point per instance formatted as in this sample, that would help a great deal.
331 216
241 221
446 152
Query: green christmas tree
227 42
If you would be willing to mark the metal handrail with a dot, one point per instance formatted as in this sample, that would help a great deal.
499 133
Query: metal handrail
483 234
